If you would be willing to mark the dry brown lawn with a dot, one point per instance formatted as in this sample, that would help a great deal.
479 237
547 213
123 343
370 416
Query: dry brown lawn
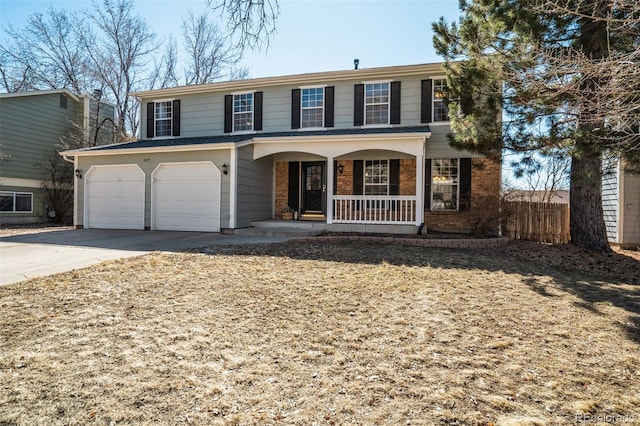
327 333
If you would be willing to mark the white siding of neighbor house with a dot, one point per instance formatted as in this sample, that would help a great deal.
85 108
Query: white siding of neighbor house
203 114
610 198
148 163
631 213
254 187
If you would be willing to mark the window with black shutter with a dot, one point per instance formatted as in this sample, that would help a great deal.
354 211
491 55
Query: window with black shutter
163 118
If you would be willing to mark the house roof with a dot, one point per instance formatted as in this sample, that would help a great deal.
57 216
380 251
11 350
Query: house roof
392 72
228 140
38 93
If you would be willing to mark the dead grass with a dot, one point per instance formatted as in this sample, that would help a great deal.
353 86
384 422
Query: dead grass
322 334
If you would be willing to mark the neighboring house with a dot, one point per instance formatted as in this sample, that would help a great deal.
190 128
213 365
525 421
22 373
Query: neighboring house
621 204
31 124
356 147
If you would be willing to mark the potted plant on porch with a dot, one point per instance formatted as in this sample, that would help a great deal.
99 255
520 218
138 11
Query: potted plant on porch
287 213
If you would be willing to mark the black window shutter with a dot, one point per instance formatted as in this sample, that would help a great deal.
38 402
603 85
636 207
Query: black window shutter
151 131
395 102
426 101
294 184
257 111
228 113
464 169
394 177
328 106
295 108
358 105
358 177
427 184
176 117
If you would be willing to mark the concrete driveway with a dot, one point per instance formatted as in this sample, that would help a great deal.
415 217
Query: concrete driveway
45 253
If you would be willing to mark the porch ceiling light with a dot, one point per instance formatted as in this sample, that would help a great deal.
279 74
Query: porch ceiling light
225 169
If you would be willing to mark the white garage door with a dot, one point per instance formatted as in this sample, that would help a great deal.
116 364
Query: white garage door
186 197
114 197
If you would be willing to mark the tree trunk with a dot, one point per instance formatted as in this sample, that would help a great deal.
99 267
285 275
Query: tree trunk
586 217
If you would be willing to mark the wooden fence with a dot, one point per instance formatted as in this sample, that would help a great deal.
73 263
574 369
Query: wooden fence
540 222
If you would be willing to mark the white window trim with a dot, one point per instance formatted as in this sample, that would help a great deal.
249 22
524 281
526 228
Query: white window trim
156 101
377 125
433 103
364 175
302 88
253 113
13 194
431 186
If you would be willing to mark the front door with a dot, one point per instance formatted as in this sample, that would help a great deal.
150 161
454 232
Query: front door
314 188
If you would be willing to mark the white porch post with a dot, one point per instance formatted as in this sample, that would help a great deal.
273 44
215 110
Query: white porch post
419 189
329 194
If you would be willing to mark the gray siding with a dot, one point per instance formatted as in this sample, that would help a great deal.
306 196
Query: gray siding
631 214
255 187
610 200
148 163
31 126
203 114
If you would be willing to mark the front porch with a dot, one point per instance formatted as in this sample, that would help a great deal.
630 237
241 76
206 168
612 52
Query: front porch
351 192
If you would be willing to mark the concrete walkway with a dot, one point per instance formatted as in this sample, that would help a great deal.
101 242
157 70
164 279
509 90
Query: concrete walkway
45 253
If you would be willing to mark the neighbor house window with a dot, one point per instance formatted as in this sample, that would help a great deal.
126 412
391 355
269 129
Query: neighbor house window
376 177
376 103
16 202
243 112
444 184
312 107
440 100
163 118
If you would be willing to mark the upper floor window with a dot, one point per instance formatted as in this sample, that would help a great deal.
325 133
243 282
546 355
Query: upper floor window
16 202
163 118
444 184
243 112
312 107
376 103
440 99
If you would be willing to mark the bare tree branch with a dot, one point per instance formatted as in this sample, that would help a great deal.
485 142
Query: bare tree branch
252 23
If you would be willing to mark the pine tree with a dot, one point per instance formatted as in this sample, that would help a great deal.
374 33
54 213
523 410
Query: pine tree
563 74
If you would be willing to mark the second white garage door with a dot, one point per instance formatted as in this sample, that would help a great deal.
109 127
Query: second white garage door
186 197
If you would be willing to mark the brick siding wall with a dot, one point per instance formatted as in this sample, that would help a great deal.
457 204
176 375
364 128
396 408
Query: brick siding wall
485 180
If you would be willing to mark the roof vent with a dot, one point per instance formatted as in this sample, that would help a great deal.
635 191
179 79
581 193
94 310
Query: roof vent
356 62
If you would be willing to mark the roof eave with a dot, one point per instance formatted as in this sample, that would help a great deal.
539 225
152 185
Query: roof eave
297 79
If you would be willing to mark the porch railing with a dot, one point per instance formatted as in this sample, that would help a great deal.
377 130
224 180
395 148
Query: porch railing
374 209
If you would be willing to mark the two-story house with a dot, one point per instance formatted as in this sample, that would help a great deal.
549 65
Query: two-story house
363 146
31 125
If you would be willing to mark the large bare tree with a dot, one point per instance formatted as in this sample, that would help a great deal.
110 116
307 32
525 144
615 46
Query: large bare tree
46 54
119 43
